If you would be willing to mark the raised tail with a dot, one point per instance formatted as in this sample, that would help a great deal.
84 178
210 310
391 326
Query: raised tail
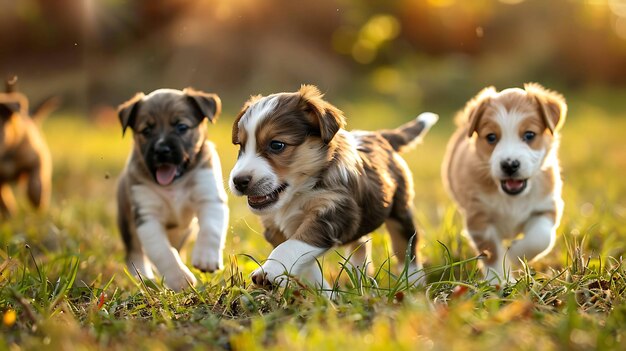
409 134
44 108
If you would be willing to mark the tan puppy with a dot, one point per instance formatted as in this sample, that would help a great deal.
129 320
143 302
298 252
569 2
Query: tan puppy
23 151
316 186
172 184
503 172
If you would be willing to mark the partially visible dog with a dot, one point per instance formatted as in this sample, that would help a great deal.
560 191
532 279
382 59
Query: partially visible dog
172 184
503 171
315 185
23 150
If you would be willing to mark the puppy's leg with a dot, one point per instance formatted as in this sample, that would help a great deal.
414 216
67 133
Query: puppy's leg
136 260
212 219
317 233
360 253
488 242
291 257
138 263
7 201
166 258
315 276
38 188
404 239
538 240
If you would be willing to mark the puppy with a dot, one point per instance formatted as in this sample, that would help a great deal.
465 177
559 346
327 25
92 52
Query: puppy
171 185
502 170
23 150
315 185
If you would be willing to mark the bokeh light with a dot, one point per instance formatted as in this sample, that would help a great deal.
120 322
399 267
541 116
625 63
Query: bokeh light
618 7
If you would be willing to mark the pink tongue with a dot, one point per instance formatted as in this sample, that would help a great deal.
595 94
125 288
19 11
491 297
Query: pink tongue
514 184
165 174
257 199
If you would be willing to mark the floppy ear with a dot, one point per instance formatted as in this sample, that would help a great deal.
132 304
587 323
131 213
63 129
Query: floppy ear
206 105
327 117
245 107
8 108
476 107
128 111
552 106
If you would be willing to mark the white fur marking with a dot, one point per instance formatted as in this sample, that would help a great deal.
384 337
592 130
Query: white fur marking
210 197
429 120
538 240
249 162
292 257
512 147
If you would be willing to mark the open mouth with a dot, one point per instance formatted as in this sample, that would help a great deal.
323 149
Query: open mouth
260 202
166 173
513 186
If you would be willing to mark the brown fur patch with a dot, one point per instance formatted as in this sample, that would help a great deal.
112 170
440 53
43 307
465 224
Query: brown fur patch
552 106
24 154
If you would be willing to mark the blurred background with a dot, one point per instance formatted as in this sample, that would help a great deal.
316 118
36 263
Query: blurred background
409 54
381 62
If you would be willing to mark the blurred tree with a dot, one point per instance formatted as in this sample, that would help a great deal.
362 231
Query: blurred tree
413 51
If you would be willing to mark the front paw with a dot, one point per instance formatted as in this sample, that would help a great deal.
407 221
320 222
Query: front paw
270 274
206 259
180 279
495 276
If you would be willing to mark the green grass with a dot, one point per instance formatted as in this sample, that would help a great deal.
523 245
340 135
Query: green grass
63 275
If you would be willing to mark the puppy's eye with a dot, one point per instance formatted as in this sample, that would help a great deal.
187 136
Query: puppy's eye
146 131
276 146
528 136
491 138
181 128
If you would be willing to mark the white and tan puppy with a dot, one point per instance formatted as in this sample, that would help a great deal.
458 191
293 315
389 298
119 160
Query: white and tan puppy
316 186
502 170
172 184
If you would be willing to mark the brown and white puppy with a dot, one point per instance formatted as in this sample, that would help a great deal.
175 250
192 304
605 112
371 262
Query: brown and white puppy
315 185
503 172
23 150
171 185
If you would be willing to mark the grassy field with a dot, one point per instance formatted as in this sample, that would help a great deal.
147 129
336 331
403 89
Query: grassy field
63 284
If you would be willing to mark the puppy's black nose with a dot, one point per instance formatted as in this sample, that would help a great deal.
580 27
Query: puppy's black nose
162 149
242 182
509 166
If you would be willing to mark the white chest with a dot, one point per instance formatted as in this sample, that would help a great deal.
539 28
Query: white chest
510 213
172 206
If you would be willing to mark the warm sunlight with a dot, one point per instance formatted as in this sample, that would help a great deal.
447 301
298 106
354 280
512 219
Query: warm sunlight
312 175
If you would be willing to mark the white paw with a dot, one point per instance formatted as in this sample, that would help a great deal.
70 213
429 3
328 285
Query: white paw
416 275
495 276
206 259
138 264
179 279
271 273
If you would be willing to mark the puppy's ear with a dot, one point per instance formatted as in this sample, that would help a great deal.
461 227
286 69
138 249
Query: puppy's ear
8 108
206 105
552 106
245 107
327 117
476 107
128 111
